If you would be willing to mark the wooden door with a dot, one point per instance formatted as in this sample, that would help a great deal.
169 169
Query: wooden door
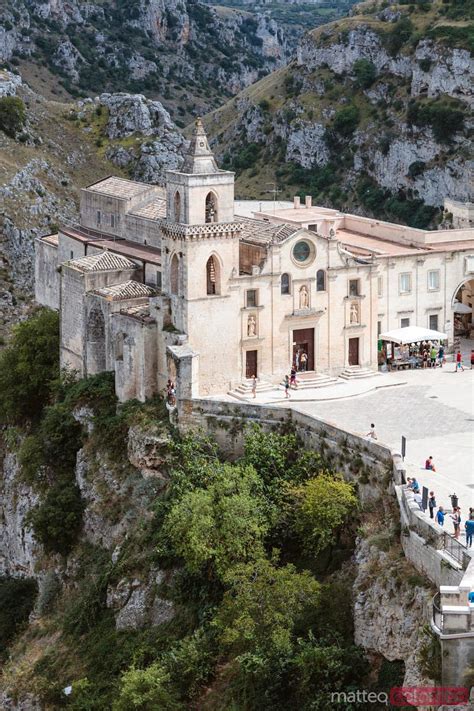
250 364
353 351
303 342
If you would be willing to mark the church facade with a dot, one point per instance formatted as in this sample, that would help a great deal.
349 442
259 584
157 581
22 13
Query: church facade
157 283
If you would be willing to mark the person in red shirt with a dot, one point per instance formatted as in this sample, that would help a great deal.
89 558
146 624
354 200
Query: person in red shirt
472 359
429 464
459 365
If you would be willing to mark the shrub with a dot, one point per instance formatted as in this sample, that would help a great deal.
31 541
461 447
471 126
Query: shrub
57 520
146 690
445 119
365 72
12 115
17 597
398 36
416 168
346 120
425 64
28 368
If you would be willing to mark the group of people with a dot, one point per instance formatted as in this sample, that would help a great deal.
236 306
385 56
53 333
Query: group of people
441 514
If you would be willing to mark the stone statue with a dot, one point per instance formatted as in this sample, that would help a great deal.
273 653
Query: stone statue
251 326
354 312
304 297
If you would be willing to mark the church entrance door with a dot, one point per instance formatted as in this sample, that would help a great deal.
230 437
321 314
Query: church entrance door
353 351
303 342
250 364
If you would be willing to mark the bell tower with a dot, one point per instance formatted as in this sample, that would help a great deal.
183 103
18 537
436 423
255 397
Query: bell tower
200 193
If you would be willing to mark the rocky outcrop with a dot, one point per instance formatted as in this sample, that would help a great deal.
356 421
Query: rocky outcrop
389 612
9 83
137 603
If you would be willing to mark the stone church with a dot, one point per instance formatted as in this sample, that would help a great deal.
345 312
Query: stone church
157 283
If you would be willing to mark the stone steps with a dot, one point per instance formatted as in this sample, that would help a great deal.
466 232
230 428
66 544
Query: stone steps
355 372
305 381
245 388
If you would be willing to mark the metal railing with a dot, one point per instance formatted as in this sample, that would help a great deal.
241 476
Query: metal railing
456 549
437 614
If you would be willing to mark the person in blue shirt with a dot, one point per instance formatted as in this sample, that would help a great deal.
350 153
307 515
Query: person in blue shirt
469 526
440 516
414 486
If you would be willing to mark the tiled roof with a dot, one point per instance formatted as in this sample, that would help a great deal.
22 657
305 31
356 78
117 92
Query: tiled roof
262 232
105 261
140 313
127 290
119 187
153 210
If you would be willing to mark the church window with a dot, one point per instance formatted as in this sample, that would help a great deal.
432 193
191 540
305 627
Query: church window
212 276
112 220
211 208
177 206
158 280
285 283
251 298
320 280
119 340
98 217
303 253
174 274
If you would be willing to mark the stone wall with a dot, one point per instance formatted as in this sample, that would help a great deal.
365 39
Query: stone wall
46 274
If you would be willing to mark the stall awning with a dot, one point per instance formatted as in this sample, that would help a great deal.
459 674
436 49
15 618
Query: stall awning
460 308
412 334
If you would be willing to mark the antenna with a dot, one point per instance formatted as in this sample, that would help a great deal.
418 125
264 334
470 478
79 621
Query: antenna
275 190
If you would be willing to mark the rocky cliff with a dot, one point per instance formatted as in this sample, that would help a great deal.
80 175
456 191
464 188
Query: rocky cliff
373 115
187 54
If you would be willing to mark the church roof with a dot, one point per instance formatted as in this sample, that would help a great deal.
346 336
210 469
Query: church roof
199 159
126 290
119 187
102 262
261 232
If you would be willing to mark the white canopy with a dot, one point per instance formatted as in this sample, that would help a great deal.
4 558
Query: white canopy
412 334
460 308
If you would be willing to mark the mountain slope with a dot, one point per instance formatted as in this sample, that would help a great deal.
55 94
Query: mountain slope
372 115
187 54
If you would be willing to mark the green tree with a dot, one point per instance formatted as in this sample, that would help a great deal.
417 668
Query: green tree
365 72
265 607
346 120
12 115
221 525
146 690
17 597
323 505
57 520
28 367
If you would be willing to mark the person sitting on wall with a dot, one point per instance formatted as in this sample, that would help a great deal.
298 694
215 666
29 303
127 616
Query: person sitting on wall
414 486
429 464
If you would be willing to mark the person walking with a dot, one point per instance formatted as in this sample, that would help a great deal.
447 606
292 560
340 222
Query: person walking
293 382
254 386
371 434
287 387
441 356
431 503
459 365
433 354
456 516
304 361
440 516
469 526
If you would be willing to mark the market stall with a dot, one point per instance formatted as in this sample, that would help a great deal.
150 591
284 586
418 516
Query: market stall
411 347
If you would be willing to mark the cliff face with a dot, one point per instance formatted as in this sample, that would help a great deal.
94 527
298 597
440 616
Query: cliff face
182 51
372 115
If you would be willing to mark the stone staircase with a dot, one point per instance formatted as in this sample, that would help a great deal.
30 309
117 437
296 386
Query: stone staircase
305 381
356 372
245 387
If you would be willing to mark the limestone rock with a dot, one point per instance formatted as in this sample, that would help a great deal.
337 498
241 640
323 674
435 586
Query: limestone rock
9 83
134 113
306 145
148 450
136 603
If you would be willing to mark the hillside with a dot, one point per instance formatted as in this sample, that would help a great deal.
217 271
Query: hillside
187 54
372 116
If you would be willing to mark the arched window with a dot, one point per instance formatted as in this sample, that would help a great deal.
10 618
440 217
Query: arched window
212 276
320 280
177 206
211 208
285 283
174 274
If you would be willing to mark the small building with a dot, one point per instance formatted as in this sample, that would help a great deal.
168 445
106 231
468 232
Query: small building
157 283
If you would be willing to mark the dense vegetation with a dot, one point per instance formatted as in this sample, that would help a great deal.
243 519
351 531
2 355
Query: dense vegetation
12 115
254 552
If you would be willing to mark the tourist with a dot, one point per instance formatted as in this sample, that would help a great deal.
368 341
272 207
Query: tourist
425 358
472 359
459 365
304 361
471 514
433 354
440 516
469 526
429 464
441 356
293 382
287 386
414 486
417 498
371 434
254 386
456 516
432 504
